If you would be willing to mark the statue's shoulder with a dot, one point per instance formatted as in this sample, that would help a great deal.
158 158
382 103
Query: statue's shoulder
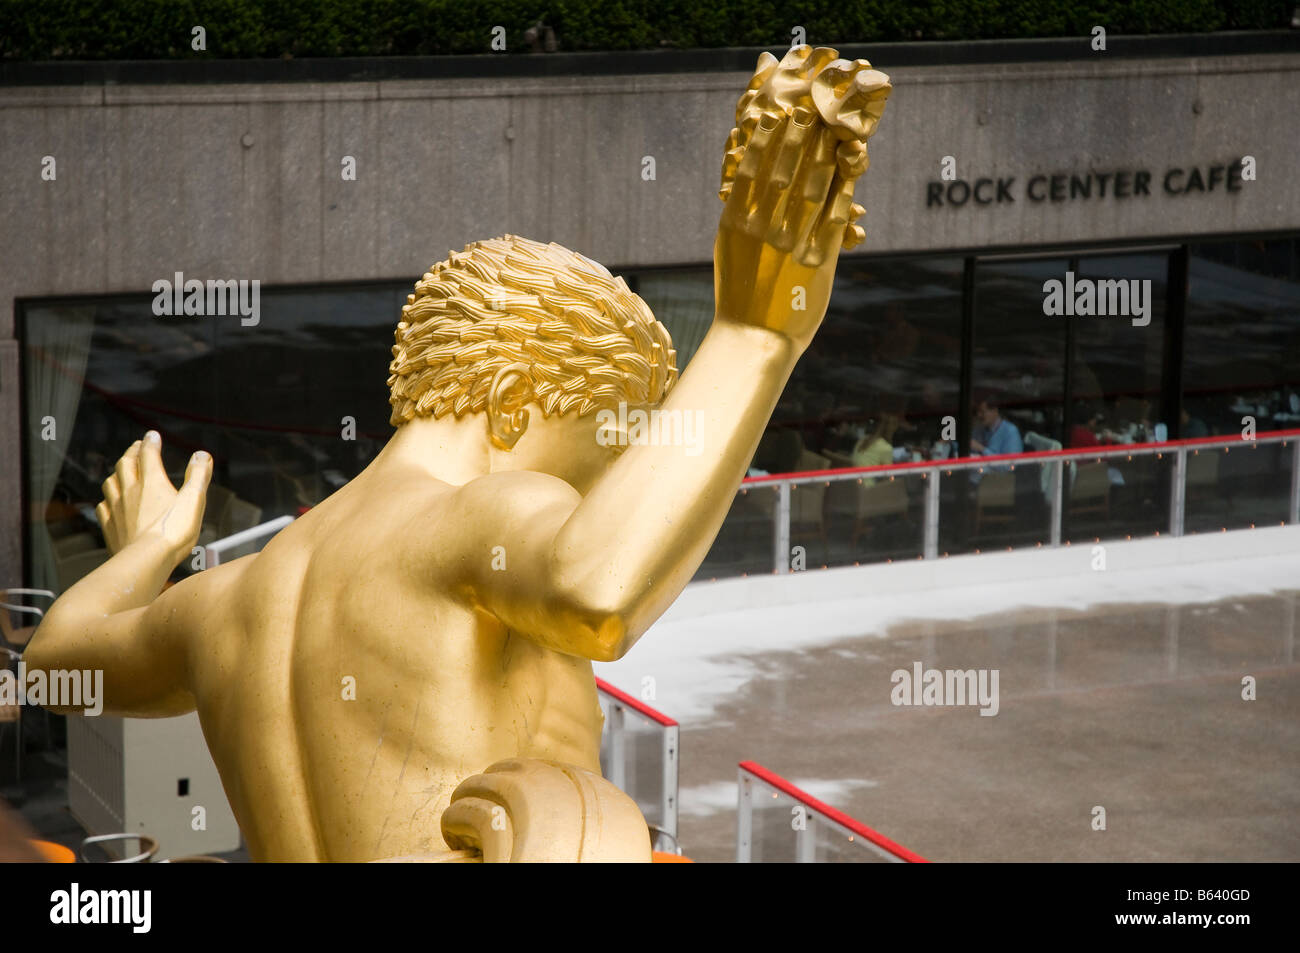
517 492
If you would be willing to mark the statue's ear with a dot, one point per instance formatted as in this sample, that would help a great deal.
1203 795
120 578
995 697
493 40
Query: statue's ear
507 417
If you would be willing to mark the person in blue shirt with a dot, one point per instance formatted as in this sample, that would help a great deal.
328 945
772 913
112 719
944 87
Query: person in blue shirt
993 435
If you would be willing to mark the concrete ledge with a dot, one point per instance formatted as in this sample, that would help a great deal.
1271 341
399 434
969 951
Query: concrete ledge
831 585
939 53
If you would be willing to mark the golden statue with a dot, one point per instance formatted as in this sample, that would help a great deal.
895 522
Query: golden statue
502 539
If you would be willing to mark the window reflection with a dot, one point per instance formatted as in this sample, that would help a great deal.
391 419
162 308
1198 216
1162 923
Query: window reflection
268 402
1242 341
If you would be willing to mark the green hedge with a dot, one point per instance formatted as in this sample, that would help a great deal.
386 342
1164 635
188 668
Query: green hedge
161 29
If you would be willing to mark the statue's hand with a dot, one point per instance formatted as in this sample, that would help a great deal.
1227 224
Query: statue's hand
140 501
784 222
799 145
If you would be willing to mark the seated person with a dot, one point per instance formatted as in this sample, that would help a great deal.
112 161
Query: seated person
1193 427
993 434
1083 435
876 449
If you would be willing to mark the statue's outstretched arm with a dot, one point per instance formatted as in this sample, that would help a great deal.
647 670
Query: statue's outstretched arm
114 619
627 549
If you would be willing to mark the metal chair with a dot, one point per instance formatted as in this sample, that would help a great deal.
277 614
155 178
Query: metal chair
995 499
882 500
13 640
148 847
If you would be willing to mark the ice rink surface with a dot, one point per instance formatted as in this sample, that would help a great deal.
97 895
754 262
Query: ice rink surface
1119 690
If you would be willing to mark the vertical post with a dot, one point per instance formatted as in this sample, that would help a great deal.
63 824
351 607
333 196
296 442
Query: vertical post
1058 481
966 373
1067 378
1178 492
669 819
805 844
932 515
744 819
1294 514
781 529
617 748
965 394
1171 391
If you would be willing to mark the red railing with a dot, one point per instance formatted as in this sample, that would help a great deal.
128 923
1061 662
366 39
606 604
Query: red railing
839 817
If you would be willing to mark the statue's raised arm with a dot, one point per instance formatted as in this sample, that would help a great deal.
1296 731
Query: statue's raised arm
640 531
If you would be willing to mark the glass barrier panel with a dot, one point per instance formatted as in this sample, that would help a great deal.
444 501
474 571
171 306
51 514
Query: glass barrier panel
1116 497
996 507
874 518
1238 487
832 844
772 836
632 759
783 828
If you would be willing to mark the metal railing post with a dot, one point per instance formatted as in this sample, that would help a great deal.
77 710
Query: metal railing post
781 531
932 516
805 845
744 819
1058 484
1178 493
669 819
617 748
1294 516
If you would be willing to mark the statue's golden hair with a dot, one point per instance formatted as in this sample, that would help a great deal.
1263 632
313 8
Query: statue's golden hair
586 340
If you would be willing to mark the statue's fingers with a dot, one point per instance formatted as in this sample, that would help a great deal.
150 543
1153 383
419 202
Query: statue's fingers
854 234
128 468
820 58
742 198
810 190
198 473
767 64
731 163
830 229
113 501
790 152
790 83
851 158
108 526
774 193
756 150
151 463
850 97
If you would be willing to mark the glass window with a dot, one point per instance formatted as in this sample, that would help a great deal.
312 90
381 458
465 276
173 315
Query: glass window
881 374
1019 351
269 402
1242 341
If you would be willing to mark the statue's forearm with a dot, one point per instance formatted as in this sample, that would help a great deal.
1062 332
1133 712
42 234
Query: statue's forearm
637 538
131 579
